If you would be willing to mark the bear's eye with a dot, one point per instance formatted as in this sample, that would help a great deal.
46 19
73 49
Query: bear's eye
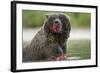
52 17
61 17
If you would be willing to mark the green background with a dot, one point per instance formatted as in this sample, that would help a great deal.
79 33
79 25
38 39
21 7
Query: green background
80 48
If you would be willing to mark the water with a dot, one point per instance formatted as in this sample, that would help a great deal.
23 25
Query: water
75 34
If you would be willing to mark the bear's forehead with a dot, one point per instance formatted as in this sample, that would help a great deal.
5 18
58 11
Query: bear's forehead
57 14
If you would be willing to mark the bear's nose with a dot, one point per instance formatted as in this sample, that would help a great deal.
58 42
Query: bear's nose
57 21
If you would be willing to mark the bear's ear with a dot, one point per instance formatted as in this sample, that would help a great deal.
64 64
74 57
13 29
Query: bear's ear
47 15
68 17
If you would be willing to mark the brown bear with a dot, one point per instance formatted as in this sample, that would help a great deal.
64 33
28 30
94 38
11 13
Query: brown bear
49 44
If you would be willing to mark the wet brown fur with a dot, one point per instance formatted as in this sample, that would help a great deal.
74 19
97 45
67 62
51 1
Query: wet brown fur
45 42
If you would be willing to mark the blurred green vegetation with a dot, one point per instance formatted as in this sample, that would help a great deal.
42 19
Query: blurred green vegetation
33 18
79 48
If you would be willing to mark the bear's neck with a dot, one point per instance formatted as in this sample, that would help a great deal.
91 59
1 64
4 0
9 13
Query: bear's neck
60 38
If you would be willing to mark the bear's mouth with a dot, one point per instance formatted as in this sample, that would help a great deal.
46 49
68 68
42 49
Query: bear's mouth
56 27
